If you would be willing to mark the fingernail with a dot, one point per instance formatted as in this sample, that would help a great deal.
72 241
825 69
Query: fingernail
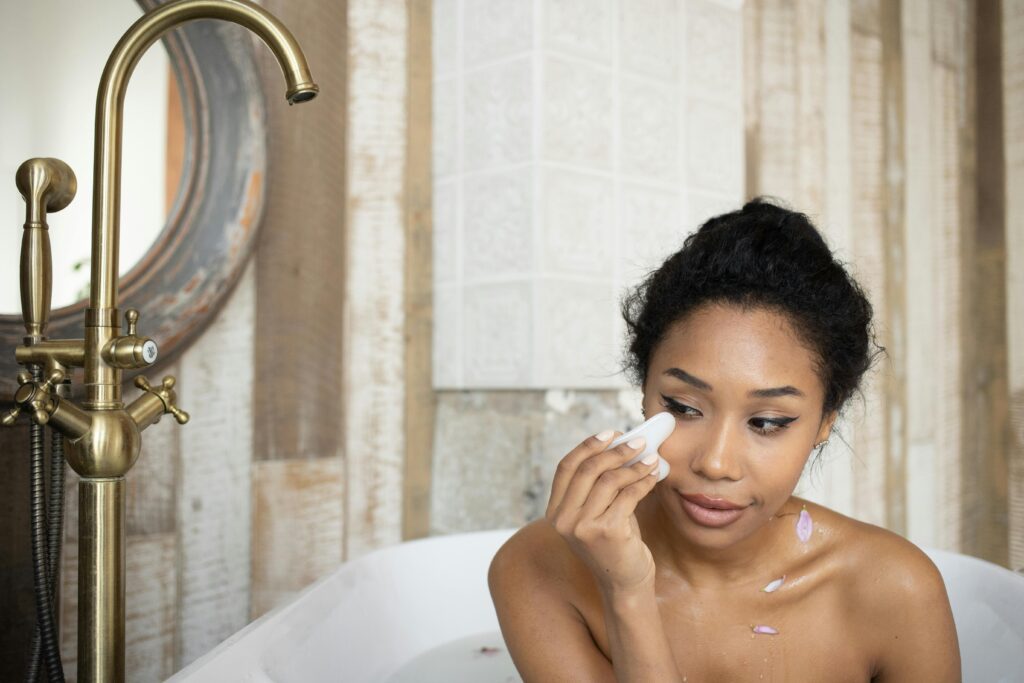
637 442
649 460
605 435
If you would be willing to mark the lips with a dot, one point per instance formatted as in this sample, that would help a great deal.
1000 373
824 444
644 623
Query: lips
698 509
712 503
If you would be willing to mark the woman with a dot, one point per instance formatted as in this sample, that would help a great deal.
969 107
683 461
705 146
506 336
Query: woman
754 337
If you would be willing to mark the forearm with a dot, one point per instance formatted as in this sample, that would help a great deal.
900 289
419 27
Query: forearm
640 647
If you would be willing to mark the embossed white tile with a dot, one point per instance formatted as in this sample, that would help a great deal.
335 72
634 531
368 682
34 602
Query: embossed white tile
577 113
498 125
647 122
575 340
649 29
651 230
444 35
579 27
577 228
496 29
714 148
445 232
446 336
713 51
497 331
498 207
445 127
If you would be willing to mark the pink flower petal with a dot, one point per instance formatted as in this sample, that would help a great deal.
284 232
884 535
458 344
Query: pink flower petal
774 585
804 526
765 629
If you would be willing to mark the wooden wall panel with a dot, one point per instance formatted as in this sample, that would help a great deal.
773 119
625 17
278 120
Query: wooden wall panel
985 457
914 198
213 505
420 398
373 392
868 224
17 598
838 464
301 271
151 594
894 256
811 69
1013 137
296 527
922 301
152 484
946 192
773 143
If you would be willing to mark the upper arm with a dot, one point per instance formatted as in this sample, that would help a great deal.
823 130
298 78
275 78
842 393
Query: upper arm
917 637
545 635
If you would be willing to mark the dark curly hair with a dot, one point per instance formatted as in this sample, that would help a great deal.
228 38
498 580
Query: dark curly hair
761 256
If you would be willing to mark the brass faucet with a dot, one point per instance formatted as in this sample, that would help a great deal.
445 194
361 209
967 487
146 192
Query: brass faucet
103 436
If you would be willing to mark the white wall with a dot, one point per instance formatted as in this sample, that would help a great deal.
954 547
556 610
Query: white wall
576 144
53 52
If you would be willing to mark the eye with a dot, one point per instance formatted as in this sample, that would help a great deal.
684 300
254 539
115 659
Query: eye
761 425
768 427
678 408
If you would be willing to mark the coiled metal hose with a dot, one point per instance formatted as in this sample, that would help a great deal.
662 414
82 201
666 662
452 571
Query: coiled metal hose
46 540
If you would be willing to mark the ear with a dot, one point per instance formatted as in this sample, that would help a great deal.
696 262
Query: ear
826 426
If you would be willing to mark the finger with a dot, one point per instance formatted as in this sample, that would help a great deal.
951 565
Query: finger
590 469
567 467
630 496
611 484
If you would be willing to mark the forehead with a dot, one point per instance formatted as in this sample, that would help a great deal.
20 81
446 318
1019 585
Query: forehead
748 348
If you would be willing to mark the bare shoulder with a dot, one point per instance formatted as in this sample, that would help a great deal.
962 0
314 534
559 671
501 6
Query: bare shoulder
537 548
898 601
546 635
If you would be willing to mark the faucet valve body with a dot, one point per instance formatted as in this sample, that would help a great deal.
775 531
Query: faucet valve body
130 351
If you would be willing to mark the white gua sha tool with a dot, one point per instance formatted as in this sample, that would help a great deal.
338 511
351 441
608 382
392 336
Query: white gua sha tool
654 431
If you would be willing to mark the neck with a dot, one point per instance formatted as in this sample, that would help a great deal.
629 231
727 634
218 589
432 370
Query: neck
752 559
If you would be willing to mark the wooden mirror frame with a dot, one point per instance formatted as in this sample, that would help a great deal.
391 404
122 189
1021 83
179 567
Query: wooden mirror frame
186 275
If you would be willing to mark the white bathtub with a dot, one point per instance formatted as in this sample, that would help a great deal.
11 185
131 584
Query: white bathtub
421 612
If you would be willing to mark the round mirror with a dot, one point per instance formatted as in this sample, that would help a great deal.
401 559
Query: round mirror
54 117
193 166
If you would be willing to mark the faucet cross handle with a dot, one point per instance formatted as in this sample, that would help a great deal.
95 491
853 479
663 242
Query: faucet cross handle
34 396
167 396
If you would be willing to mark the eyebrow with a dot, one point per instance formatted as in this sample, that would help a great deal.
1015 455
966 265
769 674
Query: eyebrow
697 382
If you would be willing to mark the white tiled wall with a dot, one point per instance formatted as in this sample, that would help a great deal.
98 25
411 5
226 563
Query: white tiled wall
576 144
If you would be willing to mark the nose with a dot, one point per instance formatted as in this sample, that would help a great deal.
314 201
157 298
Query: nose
719 458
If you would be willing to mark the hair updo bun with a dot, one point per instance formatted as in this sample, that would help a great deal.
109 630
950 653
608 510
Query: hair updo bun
760 256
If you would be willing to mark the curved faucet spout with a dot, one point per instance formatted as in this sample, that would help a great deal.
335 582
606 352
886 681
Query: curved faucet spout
106 205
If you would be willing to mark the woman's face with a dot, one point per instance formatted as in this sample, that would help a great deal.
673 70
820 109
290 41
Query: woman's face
733 439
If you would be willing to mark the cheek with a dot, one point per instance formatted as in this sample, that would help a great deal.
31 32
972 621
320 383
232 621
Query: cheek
775 476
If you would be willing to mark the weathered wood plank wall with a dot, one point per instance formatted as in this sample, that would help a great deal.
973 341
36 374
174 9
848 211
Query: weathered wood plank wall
301 279
373 389
420 398
1013 137
912 190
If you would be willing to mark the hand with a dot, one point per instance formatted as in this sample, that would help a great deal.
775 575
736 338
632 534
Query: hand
592 507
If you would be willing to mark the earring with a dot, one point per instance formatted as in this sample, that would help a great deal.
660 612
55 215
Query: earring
822 444
643 411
